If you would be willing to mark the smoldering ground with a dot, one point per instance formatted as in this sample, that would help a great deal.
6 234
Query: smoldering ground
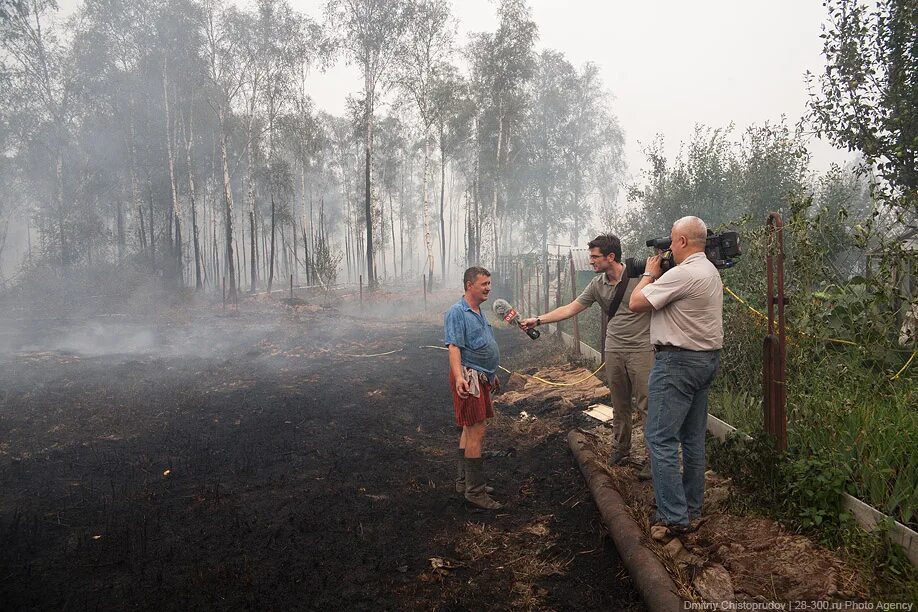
187 457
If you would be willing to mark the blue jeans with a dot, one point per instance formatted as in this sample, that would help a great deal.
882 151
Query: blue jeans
677 412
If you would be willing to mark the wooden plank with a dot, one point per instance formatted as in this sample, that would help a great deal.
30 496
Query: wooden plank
600 412
869 517
721 430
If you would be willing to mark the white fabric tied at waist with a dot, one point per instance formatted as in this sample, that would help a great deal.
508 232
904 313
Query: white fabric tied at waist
474 377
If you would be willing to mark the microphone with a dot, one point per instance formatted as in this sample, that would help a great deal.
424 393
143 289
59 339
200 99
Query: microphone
510 315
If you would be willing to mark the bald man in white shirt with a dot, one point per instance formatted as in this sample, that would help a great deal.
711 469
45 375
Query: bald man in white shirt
686 329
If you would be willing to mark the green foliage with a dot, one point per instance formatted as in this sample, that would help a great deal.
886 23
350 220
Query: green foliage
843 408
867 97
753 464
815 484
718 179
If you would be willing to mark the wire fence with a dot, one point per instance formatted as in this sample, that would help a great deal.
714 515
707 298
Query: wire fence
852 360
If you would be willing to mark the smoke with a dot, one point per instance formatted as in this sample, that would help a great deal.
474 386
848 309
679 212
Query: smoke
96 339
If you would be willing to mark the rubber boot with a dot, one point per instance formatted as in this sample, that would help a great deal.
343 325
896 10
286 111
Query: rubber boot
460 474
475 491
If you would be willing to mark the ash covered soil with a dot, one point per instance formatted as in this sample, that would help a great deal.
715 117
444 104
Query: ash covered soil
253 461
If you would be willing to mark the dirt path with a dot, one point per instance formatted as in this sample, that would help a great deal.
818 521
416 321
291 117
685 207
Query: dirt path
268 471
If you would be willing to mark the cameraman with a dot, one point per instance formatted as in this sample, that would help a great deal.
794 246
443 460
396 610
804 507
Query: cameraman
629 355
686 329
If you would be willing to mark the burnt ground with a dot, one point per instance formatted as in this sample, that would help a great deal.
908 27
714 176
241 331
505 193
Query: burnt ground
244 462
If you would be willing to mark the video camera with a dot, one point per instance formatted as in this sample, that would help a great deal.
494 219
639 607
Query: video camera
720 249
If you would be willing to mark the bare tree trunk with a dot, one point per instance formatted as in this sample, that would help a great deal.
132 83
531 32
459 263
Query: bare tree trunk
371 273
401 222
306 233
442 209
392 231
135 190
189 138
271 253
296 254
203 257
250 200
305 247
426 207
497 180
228 202
175 273
143 233
216 254
59 203
152 226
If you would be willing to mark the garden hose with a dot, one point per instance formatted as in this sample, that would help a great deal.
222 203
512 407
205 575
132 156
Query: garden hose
373 355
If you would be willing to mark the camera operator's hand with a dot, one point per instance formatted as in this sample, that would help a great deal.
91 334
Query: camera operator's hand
528 323
654 266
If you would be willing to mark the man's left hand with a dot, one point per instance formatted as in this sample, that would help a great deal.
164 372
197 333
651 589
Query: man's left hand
654 266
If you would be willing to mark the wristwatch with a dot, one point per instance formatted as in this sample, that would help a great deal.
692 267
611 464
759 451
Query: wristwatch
650 275
538 321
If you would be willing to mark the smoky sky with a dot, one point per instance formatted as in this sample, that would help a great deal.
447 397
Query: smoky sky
668 64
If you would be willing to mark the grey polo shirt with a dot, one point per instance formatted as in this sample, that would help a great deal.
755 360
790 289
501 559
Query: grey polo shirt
688 304
628 332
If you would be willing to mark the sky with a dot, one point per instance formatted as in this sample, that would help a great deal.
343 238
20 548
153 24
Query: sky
668 65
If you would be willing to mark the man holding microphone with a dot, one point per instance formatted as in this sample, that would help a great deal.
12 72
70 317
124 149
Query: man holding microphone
686 329
629 355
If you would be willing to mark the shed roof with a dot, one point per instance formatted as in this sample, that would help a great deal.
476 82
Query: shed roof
581 259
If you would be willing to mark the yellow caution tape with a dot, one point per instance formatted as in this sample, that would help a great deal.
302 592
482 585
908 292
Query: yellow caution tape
907 363
541 380
762 315
836 340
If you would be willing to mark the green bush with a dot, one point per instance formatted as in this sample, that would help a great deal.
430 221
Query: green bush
844 406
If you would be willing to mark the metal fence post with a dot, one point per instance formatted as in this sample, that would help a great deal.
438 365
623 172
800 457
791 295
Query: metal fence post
574 297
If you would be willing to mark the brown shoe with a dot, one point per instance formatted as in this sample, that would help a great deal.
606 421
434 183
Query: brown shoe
475 491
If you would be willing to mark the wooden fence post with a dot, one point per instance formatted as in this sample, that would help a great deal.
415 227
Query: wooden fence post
558 295
538 289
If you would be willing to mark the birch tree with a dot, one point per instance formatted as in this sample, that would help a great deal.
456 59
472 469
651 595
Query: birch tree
427 48
225 72
369 33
